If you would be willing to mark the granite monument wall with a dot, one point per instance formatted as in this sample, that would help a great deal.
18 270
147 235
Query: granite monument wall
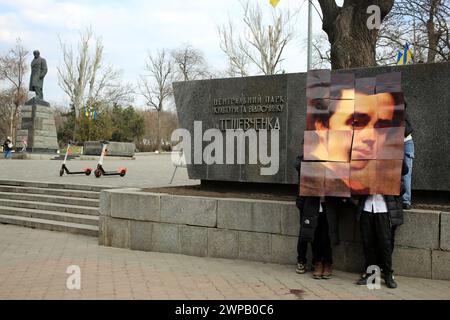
279 101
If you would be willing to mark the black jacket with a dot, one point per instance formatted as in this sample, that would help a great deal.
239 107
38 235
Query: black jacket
6 145
309 213
394 204
408 125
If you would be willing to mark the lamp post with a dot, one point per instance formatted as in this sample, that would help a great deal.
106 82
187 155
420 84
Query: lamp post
309 59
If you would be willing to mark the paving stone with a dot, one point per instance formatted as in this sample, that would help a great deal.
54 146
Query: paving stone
260 216
284 249
102 238
412 262
134 205
194 241
165 238
141 235
189 210
290 220
255 246
117 233
234 214
223 243
441 265
445 231
267 216
419 230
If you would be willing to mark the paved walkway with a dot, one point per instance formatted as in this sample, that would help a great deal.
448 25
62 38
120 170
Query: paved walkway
33 265
148 170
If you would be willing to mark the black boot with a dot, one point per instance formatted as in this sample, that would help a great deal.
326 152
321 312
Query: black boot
363 280
389 280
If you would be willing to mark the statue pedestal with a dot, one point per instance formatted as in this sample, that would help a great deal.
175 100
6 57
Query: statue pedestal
37 127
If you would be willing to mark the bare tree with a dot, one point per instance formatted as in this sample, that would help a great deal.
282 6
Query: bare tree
156 85
422 23
238 60
168 123
321 58
13 67
189 63
352 43
262 46
110 90
6 109
84 78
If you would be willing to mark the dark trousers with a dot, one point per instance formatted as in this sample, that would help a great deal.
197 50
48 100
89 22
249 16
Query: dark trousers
377 240
393 230
302 250
380 259
321 246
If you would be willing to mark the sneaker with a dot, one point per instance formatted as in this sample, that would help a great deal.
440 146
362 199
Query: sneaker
363 280
407 206
301 268
327 271
318 270
390 281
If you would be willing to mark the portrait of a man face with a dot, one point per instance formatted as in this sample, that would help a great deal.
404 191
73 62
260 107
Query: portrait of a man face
355 137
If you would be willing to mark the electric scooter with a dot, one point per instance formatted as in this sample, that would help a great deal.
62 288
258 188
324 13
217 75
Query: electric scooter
100 171
86 171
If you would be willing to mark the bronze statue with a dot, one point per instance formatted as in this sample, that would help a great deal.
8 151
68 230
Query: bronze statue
38 72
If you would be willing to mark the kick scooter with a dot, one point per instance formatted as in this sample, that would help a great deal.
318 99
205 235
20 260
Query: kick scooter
86 171
100 171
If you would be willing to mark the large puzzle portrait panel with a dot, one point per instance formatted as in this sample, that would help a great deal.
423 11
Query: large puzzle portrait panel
353 143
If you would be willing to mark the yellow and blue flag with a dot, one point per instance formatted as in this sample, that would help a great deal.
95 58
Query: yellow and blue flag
90 113
274 2
405 57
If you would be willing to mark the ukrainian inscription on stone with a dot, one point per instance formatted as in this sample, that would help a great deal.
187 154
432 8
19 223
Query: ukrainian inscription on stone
245 113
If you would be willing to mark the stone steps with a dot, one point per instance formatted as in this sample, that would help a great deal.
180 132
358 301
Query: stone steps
58 207
50 215
84 202
51 185
50 225
52 192
49 207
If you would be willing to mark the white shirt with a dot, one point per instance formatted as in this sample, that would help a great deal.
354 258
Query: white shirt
322 200
409 137
376 204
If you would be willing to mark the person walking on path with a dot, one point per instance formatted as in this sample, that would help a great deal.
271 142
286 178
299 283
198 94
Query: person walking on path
7 148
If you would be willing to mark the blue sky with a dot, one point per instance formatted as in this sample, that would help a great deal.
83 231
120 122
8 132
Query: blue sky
131 29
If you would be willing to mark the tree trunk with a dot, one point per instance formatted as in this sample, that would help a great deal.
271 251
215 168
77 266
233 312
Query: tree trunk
433 36
11 127
14 122
352 42
352 50
74 140
158 139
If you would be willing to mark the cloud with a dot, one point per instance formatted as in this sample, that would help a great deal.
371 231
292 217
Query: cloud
129 30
